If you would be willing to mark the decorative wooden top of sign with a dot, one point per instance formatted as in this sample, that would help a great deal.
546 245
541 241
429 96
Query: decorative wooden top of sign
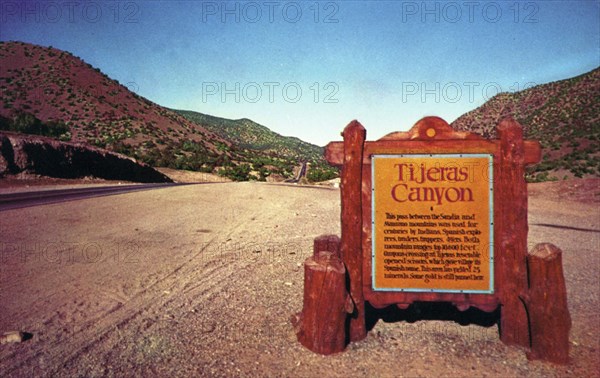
431 128
420 138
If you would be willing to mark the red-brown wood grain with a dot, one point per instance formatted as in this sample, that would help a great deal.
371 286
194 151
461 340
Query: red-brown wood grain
329 243
510 217
321 325
351 241
549 318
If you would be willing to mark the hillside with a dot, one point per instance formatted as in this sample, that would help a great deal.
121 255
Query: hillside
251 135
265 149
43 88
55 85
564 116
31 155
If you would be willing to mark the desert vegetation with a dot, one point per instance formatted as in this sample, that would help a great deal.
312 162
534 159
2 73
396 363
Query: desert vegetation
50 92
564 116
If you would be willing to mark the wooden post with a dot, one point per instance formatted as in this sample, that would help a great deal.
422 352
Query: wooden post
330 243
321 325
512 227
351 244
549 317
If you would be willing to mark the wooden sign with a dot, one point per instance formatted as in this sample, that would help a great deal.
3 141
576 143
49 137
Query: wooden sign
435 215
432 223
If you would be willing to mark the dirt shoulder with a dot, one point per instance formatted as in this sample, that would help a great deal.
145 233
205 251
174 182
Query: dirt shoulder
202 280
182 176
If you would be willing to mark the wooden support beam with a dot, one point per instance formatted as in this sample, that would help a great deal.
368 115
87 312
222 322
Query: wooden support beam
321 325
510 215
549 318
351 243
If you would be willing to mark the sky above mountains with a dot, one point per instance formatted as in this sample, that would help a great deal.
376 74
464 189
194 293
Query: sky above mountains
307 68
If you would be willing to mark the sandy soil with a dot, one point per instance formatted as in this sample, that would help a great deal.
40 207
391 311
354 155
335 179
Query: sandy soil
182 176
27 183
202 280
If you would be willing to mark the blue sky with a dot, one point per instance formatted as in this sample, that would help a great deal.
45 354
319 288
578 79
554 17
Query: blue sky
307 68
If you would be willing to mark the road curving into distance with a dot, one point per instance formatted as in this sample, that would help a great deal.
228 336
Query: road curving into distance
43 197
301 173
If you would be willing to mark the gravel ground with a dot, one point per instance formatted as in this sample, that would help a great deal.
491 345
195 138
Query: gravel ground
202 280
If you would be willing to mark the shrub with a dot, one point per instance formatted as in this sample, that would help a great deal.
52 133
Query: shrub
27 123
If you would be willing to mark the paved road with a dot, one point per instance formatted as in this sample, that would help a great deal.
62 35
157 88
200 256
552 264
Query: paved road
301 174
36 198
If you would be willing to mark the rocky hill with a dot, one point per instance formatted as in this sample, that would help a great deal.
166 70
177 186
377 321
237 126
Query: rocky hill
43 88
55 85
250 135
564 116
52 158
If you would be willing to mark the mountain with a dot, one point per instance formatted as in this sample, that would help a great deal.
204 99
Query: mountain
55 86
251 135
271 147
60 95
563 115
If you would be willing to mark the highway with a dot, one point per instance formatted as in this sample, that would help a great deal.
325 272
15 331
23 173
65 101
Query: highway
43 197
301 173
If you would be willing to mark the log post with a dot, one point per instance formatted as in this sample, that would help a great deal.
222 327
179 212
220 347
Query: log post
351 202
550 321
321 327
511 238
330 243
